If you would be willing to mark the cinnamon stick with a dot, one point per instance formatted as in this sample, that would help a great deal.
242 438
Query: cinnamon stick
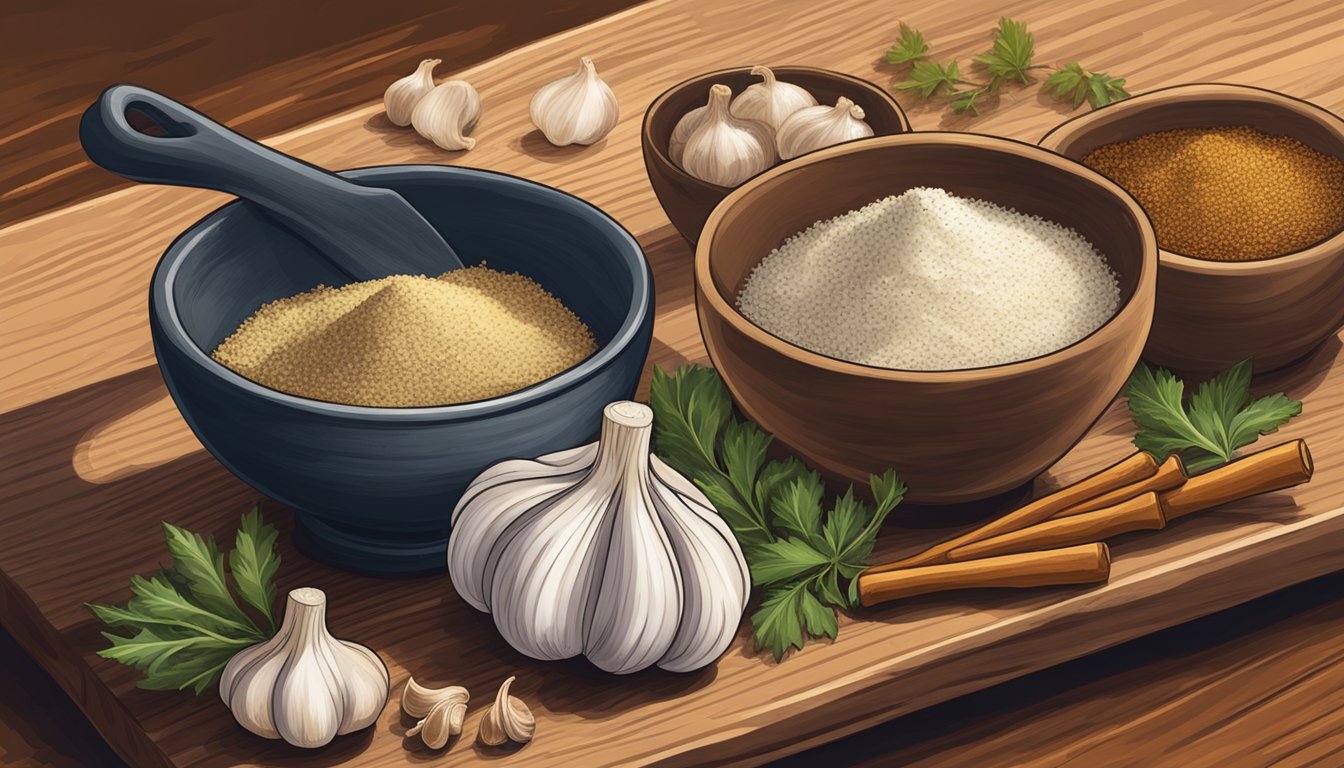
1083 564
1170 474
1143 512
1128 471
1272 469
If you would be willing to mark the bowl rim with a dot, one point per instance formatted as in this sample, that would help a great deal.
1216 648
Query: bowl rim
163 307
1214 91
660 152
1145 284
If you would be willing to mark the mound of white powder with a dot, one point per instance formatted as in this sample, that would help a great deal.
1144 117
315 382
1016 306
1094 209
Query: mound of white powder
930 281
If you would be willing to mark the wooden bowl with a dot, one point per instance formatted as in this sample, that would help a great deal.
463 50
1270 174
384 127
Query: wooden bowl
1212 314
954 436
687 200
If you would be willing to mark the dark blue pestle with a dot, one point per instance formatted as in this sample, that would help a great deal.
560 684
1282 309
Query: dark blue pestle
367 232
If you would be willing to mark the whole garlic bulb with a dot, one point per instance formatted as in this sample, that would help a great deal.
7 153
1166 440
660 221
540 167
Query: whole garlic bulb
303 685
816 127
401 97
447 114
770 101
576 109
726 150
601 550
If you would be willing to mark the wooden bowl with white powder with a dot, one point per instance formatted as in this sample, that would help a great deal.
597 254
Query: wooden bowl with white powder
961 308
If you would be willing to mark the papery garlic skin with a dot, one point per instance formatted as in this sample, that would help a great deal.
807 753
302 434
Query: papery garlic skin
447 114
401 97
727 150
602 551
770 101
816 127
575 109
303 685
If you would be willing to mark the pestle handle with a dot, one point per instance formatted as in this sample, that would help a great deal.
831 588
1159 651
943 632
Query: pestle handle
363 230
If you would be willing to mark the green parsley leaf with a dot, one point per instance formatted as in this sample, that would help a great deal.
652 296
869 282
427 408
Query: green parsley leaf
930 77
254 563
1222 416
797 508
1078 85
1010 58
784 560
963 101
185 623
908 47
695 406
818 620
744 447
778 624
748 526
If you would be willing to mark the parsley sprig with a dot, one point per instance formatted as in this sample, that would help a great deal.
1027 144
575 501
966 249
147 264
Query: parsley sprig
185 621
1207 430
1008 60
803 557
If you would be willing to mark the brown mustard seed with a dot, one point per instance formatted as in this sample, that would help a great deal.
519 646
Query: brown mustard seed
1230 193
406 341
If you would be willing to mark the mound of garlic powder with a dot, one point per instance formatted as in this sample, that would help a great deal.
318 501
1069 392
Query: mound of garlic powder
930 281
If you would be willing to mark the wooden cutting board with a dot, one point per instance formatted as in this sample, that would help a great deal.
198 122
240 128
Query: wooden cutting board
93 454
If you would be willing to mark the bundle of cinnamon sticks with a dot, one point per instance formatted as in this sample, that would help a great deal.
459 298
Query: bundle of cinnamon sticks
1060 538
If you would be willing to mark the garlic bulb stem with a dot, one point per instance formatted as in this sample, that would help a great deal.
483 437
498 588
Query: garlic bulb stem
811 129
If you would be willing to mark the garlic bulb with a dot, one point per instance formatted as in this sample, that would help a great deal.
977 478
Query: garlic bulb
303 685
442 722
770 101
576 109
446 114
817 127
401 97
601 550
508 719
723 149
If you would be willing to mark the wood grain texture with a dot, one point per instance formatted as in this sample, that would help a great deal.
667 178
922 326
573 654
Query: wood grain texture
79 373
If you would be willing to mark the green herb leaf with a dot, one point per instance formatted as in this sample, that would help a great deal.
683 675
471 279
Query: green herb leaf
777 475
1011 56
744 447
964 101
748 526
694 405
784 560
818 620
930 77
1104 89
908 47
185 623
254 563
797 508
1078 85
1220 418
201 563
778 623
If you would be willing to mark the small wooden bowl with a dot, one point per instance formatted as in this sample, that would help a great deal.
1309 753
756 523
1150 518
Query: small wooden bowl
687 200
1212 314
954 436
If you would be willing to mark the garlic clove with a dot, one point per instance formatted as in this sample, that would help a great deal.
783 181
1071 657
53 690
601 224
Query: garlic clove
700 542
770 101
676 146
508 719
417 700
816 127
727 150
303 685
575 109
401 97
446 114
443 722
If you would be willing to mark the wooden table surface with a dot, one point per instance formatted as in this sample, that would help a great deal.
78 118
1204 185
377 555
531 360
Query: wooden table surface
82 390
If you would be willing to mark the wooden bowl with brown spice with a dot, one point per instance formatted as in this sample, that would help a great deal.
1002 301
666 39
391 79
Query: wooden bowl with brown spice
1211 314
687 200
954 436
